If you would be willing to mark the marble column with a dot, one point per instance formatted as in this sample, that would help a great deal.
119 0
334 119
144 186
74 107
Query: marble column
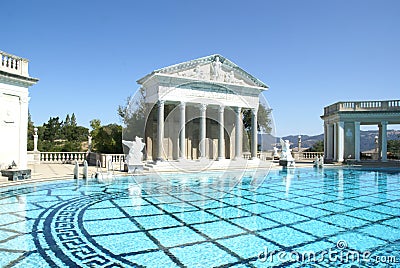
335 141
203 111
329 142
383 132
238 133
182 135
160 130
340 143
357 141
254 133
221 140
326 141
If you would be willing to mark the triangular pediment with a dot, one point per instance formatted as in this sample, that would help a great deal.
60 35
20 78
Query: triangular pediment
213 68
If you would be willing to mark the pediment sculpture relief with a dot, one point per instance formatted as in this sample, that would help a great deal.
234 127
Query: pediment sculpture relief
215 71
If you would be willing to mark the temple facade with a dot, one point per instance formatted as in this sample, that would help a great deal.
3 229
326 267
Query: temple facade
14 99
197 110
342 121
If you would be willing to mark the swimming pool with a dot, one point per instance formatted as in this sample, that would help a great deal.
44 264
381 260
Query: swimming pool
204 220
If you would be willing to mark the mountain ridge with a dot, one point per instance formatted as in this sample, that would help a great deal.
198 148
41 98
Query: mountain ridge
367 139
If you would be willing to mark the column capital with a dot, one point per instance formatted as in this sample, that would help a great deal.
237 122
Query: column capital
238 109
254 111
160 103
24 99
221 108
203 107
384 123
182 105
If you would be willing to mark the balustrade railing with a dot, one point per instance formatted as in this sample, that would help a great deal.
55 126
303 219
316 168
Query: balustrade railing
13 64
117 160
310 155
62 157
389 105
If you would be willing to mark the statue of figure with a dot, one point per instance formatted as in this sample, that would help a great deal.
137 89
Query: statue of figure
275 155
134 157
286 154
216 69
230 77
198 73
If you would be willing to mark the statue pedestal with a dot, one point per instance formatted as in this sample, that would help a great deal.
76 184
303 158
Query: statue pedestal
135 168
286 163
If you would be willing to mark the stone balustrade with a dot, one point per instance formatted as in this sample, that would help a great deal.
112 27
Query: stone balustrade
388 105
13 64
310 155
62 157
117 161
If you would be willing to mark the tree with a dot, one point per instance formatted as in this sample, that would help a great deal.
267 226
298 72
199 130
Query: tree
263 119
133 115
30 133
52 129
67 121
73 120
318 146
393 148
106 139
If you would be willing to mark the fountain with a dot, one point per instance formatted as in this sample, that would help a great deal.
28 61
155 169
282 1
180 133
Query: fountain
134 157
76 170
286 158
85 169
14 173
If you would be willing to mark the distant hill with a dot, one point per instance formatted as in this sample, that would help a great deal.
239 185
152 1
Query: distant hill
367 139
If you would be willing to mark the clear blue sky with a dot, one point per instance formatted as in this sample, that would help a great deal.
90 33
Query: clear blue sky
89 54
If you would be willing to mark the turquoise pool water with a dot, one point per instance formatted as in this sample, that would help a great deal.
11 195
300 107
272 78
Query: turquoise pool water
206 221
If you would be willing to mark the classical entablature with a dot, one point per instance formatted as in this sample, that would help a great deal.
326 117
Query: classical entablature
202 93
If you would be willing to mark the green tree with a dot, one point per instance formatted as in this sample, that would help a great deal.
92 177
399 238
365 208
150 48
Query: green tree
52 129
263 119
133 115
318 146
393 148
30 133
73 120
106 139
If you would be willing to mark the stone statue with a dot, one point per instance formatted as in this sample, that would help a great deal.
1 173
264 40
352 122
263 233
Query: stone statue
216 69
134 157
275 155
286 158
230 77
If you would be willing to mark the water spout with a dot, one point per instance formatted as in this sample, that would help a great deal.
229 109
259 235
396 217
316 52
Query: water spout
76 170
85 169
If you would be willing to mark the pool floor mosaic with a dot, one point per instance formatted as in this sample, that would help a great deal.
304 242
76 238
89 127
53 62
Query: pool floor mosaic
205 221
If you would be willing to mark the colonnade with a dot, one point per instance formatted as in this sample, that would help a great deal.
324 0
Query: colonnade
335 138
202 133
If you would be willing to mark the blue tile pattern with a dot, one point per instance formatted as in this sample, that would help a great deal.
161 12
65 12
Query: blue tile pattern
187 220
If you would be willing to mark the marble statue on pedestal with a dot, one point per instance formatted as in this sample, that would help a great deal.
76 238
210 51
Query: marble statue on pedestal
134 157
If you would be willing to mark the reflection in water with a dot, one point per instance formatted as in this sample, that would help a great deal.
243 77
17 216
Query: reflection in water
135 193
340 184
287 178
